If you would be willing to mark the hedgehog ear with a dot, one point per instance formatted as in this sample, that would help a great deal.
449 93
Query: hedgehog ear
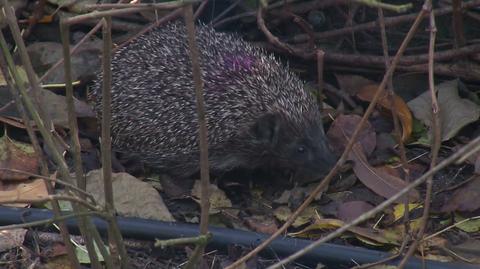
267 129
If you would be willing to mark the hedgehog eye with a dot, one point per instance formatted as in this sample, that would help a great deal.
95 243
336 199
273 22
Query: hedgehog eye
301 149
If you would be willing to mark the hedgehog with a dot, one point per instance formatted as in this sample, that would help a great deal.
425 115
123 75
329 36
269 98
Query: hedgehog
259 116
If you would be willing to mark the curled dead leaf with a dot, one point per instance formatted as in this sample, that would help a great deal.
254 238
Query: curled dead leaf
367 92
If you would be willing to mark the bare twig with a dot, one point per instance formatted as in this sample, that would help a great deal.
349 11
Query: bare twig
75 141
437 139
398 136
157 23
117 248
58 181
146 6
50 198
457 24
390 7
72 51
36 113
201 239
200 9
320 56
118 12
203 135
298 9
391 21
224 12
369 60
53 220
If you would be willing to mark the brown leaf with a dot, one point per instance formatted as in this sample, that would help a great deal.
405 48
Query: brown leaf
218 199
54 250
282 213
352 83
133 197
351 210
11 239
28 190
17 122
377 180
16 155
367 92
261 224
465 198
342 129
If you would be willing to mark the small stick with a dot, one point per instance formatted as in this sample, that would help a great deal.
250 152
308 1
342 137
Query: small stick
437 140
203 134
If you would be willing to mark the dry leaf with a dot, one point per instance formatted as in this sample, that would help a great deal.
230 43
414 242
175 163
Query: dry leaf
19 156
377 180
352 83
342 129
132 197
282 213
11 238
349 211
367 92
218 199
465 198
29 190
455 112
364 234
261 224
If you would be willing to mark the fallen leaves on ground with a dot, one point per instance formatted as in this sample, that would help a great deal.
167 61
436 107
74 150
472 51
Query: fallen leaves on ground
17 156
367 92
455 112
132 197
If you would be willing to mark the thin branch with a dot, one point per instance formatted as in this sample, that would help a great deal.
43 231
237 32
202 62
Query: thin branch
203 134
398 136
320 64
50 198
172 15
35 111
437 139
457 24
146 6
75 141
56 180
117 12
200 9
117 248
201 239
53 220
390 7
390 21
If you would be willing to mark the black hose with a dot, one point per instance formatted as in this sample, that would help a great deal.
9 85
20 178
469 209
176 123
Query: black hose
334 256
